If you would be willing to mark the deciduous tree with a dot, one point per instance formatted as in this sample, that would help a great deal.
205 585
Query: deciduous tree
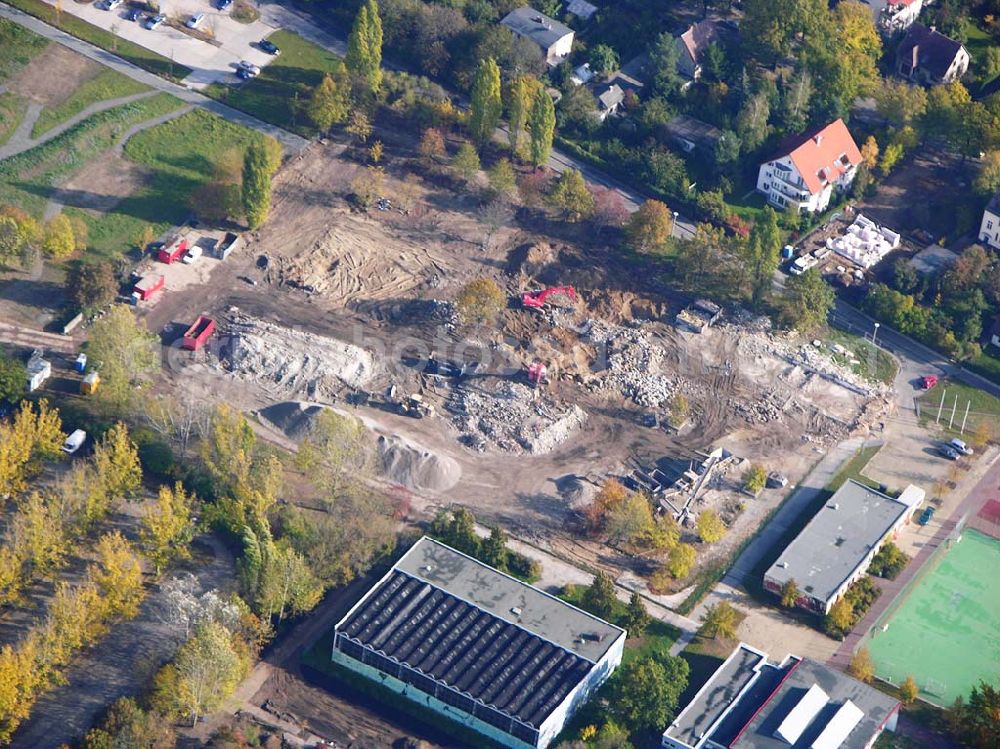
117 575
364 48
520 100
649 228
840 618
92 285
126 353
680 561
256 185
432 144
572 197
480 301
541 128
807 301
116 462
58 241
13 377
908 690
503 180
790 594
755 478
642 695
636 617
710 526
336 454
329 103
167 527
466 161
861 667
603 59
720 620
208 669
599 597
486 104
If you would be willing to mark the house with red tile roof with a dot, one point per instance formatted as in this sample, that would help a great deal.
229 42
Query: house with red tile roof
808 169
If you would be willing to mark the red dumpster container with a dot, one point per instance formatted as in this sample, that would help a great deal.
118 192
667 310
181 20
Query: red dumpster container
198 333
173 250
146 286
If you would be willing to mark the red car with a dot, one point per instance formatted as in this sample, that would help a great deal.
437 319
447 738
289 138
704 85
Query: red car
929 381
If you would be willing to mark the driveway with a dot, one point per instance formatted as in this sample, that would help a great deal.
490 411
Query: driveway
210 61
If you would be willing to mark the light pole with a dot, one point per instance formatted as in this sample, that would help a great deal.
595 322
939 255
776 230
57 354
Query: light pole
875 334
673 226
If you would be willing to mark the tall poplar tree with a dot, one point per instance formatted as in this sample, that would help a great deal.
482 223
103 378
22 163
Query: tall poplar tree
542 128
520 98
486 105
256 185
364 47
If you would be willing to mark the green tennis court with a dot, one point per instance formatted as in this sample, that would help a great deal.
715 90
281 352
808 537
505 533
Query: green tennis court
946 632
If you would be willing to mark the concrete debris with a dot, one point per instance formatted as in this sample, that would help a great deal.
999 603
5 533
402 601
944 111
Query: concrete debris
512 417
293 360
633 364
407 463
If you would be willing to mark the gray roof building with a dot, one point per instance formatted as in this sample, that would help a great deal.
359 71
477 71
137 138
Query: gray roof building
750 703
838 544
553 38
477 645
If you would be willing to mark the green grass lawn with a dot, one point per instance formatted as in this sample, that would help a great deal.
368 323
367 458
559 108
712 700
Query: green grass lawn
983 407
135 54
28 179
12 108
987 364
105 85
180 155
852 470
17 47
873 363
272 95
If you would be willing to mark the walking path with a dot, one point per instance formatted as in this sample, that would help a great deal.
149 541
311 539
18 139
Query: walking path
292 143
56 205
892 588
22 141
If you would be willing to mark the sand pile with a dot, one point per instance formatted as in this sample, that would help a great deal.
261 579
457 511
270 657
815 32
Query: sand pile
295 361
404 462
293 418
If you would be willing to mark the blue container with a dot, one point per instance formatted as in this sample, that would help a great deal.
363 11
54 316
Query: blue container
81 363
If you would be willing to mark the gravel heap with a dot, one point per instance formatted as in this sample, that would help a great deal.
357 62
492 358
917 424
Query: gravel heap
512 417
633 366
293 360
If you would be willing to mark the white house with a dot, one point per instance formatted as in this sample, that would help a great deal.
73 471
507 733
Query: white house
929 57
899 15
989 229
809 168
554 39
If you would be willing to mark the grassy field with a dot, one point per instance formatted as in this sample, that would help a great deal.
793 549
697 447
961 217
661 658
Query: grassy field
873 363
12 109
291 77
987 363
105 85
27 180
133 53
17 47
179 155
984 409
852 470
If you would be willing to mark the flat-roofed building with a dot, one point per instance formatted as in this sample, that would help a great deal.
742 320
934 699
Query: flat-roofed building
477 646
751 703
838 544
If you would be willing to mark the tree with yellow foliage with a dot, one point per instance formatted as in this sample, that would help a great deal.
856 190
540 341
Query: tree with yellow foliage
116 461
869 152
39 534
166 526
32 436
710 526
117 574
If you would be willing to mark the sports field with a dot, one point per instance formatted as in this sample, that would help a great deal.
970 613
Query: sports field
945 632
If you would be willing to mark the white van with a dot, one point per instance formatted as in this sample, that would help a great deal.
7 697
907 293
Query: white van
74 442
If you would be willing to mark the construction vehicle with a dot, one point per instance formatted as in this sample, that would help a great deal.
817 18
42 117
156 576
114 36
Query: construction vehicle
537 299
536 373
416 407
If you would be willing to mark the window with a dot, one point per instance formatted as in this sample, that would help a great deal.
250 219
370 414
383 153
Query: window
989 224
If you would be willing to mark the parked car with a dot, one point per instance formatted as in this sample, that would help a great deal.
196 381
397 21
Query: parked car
223 4
929 381
949 452
133 14
244 74
74 441
153 22
270 47
247 279
248 66
776 480
925 516
195 21
112 4
959 446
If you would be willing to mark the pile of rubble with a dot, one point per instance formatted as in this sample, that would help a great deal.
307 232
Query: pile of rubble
633 364
293 361
810 357
512 417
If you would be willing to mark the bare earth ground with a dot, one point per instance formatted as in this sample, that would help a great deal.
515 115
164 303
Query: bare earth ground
102 184
51 77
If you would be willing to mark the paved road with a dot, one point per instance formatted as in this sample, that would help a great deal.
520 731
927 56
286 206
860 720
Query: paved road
292 143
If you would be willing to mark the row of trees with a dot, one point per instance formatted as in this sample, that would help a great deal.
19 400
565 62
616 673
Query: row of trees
77 616
22 238
457 528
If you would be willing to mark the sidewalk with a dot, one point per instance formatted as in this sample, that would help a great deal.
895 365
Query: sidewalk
891 588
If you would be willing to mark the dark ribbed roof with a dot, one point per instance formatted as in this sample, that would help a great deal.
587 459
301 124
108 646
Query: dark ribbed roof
929 49
489 659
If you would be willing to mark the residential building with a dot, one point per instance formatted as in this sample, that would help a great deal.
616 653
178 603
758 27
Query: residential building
554 39
693 45
581 9
751 703
989 229
929 57
809 168
609 97
690 134
898 15
477 646
933 259
837 546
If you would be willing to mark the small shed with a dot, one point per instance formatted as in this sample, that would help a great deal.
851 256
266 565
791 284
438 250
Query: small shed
39 370
90 383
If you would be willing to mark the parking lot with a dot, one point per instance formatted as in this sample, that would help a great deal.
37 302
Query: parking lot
210 61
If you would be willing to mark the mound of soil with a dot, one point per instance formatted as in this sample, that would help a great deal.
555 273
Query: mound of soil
293 418
404 462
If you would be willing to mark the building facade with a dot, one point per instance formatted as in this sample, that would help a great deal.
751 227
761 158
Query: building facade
989 228
554 39
928 57
476 646
899 15
808 170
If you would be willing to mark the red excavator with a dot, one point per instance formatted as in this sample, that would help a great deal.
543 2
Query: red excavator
537 299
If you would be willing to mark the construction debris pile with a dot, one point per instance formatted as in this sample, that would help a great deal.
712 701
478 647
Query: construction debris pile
511 417
633 364
293 361
409 464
